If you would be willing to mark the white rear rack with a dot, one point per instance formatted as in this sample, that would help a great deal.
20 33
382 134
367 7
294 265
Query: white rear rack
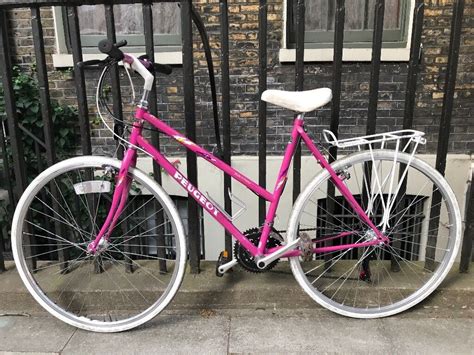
406 140
408 136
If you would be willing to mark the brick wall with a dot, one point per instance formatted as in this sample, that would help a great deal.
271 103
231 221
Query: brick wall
243 17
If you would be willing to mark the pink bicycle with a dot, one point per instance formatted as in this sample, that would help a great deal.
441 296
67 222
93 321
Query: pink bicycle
100 245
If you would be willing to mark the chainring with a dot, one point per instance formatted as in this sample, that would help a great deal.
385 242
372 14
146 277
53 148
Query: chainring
245 259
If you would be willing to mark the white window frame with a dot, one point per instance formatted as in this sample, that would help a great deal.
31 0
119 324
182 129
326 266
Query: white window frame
63 59
287 55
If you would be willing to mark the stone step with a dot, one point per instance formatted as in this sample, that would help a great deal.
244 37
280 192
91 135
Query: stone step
239 289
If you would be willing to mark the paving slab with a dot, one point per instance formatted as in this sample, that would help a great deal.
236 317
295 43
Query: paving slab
234 331
285 335
33 334
429 336
163 335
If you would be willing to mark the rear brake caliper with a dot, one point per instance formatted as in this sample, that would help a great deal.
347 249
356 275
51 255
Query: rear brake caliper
344 174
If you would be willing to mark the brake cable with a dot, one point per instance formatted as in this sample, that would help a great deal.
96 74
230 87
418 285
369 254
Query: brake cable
212 80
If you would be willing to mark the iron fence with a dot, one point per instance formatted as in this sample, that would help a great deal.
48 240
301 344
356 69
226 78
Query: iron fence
15 132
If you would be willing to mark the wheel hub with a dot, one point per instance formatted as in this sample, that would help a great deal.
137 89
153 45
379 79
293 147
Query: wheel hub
101 246
370 236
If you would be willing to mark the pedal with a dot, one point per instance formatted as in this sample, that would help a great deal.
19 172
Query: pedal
223 259
306 246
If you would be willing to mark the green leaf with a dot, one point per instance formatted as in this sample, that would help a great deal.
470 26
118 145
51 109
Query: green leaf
34 108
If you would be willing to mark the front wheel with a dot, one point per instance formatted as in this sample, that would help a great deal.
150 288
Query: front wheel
409 201
134 274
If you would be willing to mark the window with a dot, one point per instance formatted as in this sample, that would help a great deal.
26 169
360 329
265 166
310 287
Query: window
358 29
128 25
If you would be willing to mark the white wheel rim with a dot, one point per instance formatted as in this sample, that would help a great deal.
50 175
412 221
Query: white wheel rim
43 300
415 297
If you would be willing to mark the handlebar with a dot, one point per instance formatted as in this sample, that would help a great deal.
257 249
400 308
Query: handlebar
141 65
112 50
162 68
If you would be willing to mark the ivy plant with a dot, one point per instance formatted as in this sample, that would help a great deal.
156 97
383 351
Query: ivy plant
28 107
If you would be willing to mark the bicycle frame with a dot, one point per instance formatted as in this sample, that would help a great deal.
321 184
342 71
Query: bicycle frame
298 133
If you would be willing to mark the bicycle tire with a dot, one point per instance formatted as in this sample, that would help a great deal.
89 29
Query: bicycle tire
321 284
114 259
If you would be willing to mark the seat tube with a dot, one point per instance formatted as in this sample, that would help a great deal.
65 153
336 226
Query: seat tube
281 182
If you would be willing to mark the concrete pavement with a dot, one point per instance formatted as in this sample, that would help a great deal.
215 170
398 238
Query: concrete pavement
248 331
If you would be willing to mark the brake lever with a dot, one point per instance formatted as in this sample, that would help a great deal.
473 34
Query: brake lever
121 43
160 68
92 62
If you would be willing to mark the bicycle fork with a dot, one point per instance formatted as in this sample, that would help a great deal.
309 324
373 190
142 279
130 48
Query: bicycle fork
119 201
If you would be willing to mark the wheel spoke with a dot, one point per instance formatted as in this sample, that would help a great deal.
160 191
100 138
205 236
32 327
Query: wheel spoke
381 279
122 282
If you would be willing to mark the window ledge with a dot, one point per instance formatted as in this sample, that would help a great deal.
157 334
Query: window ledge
348 55
65 60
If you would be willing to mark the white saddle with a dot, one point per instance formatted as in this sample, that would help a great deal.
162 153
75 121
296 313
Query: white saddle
299 101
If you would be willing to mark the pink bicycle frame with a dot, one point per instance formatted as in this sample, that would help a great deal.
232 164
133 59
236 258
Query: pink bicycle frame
298 132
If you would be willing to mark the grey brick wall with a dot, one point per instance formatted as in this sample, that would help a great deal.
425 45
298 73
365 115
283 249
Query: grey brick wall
243 16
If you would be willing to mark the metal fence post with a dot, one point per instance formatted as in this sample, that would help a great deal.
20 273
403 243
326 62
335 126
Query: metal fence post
335 110
374 86
115 79
444 128
155 137
466 249
43 85
190 120
410 91
12 119
118 113
10 108
2 250
375 67
79 80
413 64
299 81
11 199
226 113
262 106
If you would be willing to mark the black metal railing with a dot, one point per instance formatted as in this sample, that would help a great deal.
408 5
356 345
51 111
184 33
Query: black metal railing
15 134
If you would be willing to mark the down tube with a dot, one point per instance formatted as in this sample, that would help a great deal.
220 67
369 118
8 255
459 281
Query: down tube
197 195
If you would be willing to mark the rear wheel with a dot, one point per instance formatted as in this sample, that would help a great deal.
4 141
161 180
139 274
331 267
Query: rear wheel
135 274
409 201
